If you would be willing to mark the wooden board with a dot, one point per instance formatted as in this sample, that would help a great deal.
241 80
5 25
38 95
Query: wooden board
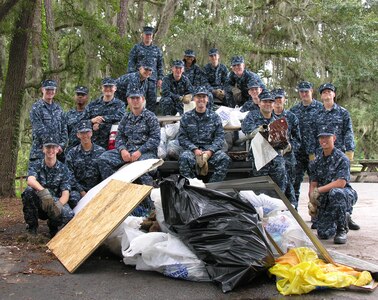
95 222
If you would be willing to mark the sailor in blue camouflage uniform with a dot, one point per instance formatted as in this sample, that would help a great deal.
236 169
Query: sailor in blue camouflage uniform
48 191
236 85
294 137
254 90
136 80
104 112
339 117
47 118
147 50
331 196
195 74
255 122
175 87
75 115
82 162
138 138
216 75
307 113
200 133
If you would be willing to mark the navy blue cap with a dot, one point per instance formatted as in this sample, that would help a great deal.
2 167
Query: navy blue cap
213 51
107 81
147 64
278 93
266 96
84 126
49 84
253 84
189 52
178 63
81 89
237 60
327 86
327 130
201 90
134 93
50 140
304 86
148 30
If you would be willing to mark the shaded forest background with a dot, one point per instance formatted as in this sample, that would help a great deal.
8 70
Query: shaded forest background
80 42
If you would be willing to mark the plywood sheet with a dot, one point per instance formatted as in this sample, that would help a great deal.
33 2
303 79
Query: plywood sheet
95 222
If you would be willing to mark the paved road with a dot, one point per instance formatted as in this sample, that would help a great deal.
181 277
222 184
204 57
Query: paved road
104 276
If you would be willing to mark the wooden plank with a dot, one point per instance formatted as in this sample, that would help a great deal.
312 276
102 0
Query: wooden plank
95 222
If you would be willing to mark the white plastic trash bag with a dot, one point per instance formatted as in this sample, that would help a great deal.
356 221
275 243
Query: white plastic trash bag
267 203
171 130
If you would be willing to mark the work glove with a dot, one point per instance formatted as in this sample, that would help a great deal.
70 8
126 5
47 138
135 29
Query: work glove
187 98
218 93
350 155
312 210
53 209
287 149
311 157
237 94
314 197
202 167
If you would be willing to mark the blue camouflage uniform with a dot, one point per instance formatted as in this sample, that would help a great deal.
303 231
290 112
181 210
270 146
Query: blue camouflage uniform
46 119
308 117
338 201
84 168
112 111
340 118
128 82
216 76
242 84
153 53
134 133
56 180
204 132
249 106
294 137
72 118
172 91
276 167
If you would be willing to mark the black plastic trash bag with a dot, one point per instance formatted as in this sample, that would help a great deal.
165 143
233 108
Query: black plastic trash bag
223 231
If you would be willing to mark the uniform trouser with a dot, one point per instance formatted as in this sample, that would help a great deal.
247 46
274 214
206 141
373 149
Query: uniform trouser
219 161
290 172
170 107
275 169
332 210
110 161
32 208
301 167
74 198
151 95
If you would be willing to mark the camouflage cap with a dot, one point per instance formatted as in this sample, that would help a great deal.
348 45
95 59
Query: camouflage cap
147 64
201 90
81 89
304 86
327 86
148 30
108 81
84 126
49 84
237 60
213 51
253 84
50 140
266 96
133 93
178 63
278 93
326 130
190 53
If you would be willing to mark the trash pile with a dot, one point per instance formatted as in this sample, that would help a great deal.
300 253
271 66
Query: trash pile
211 236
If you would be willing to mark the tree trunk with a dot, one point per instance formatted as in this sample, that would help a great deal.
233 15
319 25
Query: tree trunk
165 20
51 39
12 98
5 8
122 17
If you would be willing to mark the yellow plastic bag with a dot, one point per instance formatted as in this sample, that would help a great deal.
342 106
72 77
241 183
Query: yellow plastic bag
300 271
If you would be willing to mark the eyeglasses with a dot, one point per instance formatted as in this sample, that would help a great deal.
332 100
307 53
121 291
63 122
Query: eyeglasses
81 94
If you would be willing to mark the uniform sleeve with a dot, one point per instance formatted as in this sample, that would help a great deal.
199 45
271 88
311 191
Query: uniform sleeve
63 136
166 89
33 168
183 135
248 124
133 57
121 91
189 87
120 141
348 132
295 134
154 139
224 74
160 66
65 184
36 120
70 163
117 112
218 135
343 168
